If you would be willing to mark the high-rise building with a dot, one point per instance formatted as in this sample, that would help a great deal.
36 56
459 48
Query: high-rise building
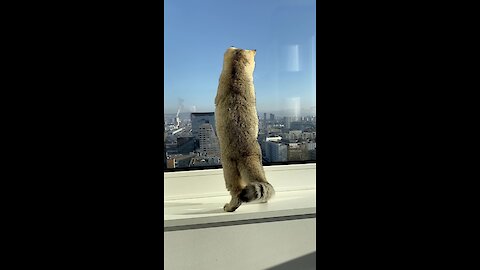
202 118
265 123
272 117
197 120
208 141
276 151
287 121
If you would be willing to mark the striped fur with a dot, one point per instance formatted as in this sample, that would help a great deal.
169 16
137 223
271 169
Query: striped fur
257 191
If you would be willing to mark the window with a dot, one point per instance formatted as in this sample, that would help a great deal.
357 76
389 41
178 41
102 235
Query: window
197 33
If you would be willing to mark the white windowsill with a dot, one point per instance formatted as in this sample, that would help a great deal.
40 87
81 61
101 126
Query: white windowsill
194 198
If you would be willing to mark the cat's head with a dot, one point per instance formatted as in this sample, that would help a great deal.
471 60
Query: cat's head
246 58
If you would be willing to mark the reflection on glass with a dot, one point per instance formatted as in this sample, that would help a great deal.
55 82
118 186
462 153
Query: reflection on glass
196 35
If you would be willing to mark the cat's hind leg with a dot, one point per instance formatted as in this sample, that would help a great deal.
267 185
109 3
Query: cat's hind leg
233 184
257 188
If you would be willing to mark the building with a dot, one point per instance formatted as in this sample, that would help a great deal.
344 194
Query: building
164 148
287 121
208 141
276 151
171 164
265 123
297 125
197 120
294 135
184 161
185 145
204 161
171 149
309 135
297 152
202 118
311 145
179 161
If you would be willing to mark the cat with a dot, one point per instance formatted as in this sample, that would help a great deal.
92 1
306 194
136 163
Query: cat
236 123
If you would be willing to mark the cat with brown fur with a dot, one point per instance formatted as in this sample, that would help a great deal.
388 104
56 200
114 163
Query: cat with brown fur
236 123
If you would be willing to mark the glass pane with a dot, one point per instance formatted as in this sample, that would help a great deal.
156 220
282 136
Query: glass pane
197 33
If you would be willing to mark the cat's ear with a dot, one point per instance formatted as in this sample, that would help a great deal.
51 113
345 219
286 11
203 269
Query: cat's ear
254 52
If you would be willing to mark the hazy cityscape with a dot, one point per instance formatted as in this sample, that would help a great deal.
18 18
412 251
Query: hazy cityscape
191 141
283 33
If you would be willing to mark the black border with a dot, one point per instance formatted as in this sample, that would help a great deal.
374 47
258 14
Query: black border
88 141
92 96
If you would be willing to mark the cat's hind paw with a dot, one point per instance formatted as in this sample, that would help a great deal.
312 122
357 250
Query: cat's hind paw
228 208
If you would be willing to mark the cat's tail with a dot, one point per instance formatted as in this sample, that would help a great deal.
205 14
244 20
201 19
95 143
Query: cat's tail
257 191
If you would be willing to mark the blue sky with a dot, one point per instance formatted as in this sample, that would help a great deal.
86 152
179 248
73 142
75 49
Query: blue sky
197 33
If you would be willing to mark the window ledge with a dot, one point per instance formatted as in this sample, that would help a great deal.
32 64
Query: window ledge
195 199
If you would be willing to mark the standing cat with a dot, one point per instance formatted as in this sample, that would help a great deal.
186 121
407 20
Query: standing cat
236 122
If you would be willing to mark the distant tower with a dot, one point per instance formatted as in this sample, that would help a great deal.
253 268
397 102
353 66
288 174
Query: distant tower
265 123
202 118
197 120
272 117
208 140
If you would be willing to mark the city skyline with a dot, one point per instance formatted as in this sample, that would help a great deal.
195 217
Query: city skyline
192 142
282 32
284 113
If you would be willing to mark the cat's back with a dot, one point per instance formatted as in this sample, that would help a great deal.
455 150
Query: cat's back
235 112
